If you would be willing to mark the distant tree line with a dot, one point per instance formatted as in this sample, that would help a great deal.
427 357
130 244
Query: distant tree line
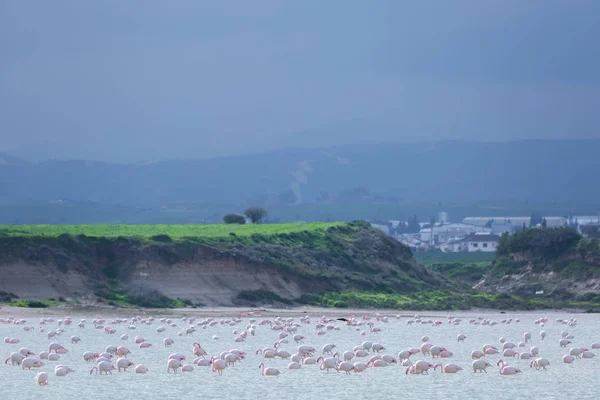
234 219
254 214
545 243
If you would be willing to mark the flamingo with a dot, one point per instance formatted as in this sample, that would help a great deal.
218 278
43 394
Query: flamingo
539 363
359 366
575 352
26 352
15 358
327 348
218 365
42 378
420 367
123 363
173 364
61 370
506 369
480 365
103 367
31 363
328 363
448 368
345 366
268 371
568 359
141 369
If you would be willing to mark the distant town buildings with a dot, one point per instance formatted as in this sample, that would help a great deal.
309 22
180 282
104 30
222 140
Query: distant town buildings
484 242
552 222
479 234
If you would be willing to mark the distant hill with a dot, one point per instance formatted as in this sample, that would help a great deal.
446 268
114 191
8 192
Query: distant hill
452 171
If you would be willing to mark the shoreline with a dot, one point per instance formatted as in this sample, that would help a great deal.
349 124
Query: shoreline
261 312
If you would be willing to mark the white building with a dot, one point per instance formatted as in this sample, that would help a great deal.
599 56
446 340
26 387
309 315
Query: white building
584 219
551 222
483 242
453 246
441 233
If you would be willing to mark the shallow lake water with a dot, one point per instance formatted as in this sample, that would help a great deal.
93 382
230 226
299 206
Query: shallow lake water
244 380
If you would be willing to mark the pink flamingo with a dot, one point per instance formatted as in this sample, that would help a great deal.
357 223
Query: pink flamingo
42 378
268 371
448 368
218 365
141 369
506 369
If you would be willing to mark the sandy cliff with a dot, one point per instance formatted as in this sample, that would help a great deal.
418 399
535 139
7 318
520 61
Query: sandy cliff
350 257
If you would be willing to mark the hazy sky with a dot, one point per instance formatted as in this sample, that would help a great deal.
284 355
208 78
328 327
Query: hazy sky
153 79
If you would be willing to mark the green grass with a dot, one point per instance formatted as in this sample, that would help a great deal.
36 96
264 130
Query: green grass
462 272
37 303
173 231
429 258
262 296
438 300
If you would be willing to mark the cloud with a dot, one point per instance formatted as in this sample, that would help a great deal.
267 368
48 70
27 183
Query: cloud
149 80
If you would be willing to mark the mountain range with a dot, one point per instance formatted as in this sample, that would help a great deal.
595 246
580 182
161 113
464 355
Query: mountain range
444 171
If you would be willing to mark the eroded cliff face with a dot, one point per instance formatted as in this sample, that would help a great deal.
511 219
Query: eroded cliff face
208 277
212 280
352 257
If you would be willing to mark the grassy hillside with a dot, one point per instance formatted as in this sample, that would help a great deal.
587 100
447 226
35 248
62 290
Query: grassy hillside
173 231
324 264
313 258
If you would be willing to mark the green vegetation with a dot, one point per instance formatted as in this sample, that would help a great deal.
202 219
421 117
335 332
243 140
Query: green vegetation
463 257
340 264
29 303
234 219
319 257
177 232
462 268
546 243
558 249
122 297
587 247
255 214
440 300
261 297
468 274
37 303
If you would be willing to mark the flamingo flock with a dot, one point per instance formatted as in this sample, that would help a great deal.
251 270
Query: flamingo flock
300 342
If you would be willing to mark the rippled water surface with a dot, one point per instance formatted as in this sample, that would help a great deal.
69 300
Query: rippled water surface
244 381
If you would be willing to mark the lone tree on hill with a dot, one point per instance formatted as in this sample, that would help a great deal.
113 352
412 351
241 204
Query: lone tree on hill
255 214
234 219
